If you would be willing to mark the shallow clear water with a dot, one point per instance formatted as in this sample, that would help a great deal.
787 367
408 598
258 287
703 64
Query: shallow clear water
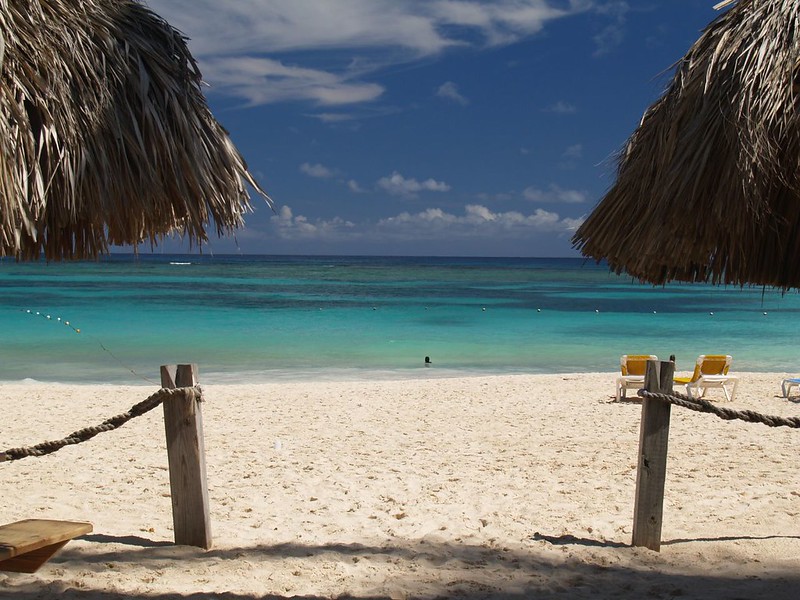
244 318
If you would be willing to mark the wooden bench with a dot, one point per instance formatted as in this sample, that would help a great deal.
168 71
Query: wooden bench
27 545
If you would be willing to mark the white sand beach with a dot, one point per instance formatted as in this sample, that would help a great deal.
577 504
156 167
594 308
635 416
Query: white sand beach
518 486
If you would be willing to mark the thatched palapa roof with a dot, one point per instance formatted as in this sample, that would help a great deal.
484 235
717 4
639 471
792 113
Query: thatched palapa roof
105 135
708 186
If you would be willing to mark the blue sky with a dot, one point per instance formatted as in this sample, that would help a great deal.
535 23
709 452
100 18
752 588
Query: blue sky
430 127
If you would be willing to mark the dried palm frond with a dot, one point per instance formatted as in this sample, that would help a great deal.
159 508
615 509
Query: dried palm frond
105 135
708 186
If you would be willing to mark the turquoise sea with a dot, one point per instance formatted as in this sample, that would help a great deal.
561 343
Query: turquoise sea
262 318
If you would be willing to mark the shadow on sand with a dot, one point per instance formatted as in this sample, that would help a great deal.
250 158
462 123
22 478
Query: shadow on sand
561 566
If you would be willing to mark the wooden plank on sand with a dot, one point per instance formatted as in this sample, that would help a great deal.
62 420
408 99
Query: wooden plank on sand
27 545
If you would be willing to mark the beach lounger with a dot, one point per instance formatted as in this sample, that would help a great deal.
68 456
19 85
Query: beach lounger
788 384
27 545
710 370
632 367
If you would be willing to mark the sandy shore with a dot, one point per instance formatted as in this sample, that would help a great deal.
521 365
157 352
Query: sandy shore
488 487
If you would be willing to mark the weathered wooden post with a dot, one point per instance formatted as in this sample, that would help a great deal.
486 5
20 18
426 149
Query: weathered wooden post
651 472
183 422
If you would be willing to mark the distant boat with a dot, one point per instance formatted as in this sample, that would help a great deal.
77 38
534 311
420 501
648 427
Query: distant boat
179 263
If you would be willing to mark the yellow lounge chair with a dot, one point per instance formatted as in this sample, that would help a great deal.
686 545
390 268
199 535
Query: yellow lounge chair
632 367
711 370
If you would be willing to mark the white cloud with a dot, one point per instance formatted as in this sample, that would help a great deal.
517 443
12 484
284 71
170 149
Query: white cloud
247 26
573 224
554 194
476 222
264 80
359 37
398 185
318 171
449 91
501 21
288 226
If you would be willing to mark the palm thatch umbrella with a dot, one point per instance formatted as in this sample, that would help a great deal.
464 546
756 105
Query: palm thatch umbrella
105 135
708 186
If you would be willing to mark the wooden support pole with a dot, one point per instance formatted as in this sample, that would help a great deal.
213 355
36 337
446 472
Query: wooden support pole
183 422
651 472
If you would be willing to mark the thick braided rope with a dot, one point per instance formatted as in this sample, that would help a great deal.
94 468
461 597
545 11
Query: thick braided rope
700 405
190 393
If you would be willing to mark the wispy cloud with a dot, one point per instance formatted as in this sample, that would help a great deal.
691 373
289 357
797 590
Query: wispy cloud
554 195
333 117
318 171
571 155
358 38
496 197
354 186
573 152
449 91
398 185
612 34
562 108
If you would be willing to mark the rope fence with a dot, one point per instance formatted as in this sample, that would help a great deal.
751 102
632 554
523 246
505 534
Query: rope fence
700 405
185 447
87 433
658 398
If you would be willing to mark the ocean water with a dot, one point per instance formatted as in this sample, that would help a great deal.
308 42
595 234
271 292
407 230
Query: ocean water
263 318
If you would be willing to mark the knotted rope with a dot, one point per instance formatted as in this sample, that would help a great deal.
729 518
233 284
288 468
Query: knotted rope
700 405
189 393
